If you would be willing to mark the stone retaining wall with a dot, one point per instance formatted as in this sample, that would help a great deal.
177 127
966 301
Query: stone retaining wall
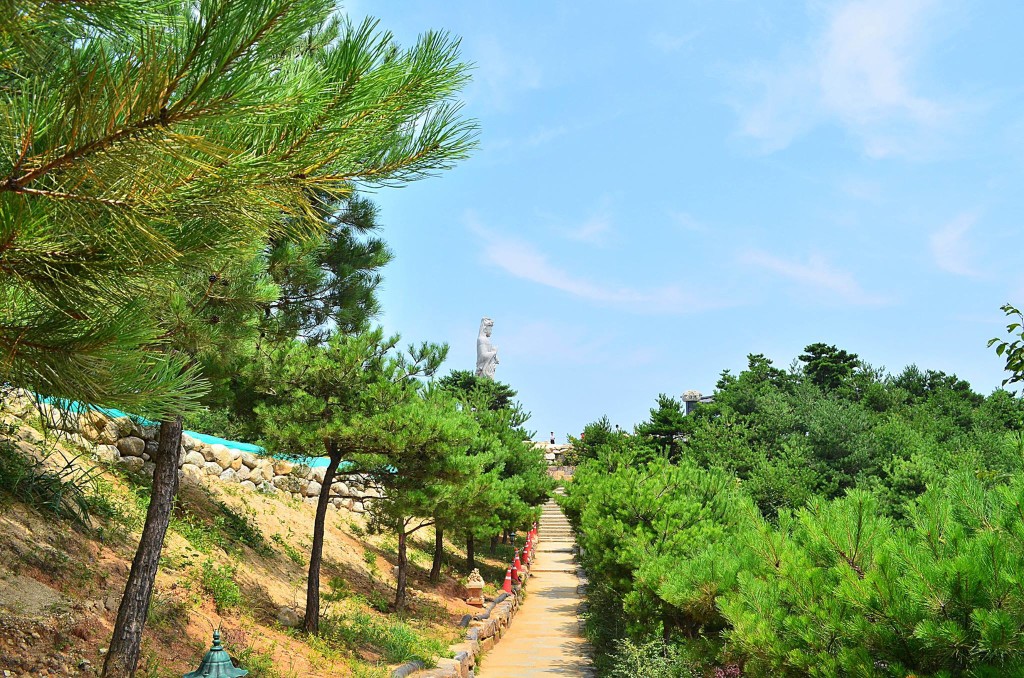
120 440
554 455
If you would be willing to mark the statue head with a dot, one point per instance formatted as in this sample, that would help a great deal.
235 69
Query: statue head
486 325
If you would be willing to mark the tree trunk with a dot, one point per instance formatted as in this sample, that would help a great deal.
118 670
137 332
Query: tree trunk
126 642
470 555
494 545
403 564
435 568
312 620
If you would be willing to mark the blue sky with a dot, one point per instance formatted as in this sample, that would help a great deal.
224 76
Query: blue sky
662 188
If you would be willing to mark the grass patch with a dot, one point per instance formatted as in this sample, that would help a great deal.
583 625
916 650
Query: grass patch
259 664
48 484
395 641
293 553
241 529
219 582
166 613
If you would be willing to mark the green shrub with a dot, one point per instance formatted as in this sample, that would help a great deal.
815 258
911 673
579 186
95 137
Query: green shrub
339 590
241 529
379 601
62 489
166 613
293 553
219 582
259 664
396 641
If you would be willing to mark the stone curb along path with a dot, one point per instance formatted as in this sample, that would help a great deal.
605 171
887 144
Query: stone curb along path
482 635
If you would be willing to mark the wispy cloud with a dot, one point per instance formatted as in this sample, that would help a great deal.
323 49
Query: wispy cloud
524 261
860 188
667 43
817 276
951 249
858 72
538 138
687 222
594 231
501 74
543 341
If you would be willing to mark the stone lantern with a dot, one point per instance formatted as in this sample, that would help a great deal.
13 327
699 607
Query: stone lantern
475 587
217 663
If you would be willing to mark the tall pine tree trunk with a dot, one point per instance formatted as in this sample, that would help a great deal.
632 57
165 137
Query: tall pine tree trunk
403 565
126 642
312 620
435 568
494 544
470 555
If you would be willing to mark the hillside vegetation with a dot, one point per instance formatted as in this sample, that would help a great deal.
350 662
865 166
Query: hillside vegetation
234 560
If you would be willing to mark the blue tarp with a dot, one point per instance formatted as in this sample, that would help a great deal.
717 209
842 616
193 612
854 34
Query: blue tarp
73 406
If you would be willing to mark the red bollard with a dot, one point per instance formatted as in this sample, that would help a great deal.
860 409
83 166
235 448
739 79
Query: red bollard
507 587
517 566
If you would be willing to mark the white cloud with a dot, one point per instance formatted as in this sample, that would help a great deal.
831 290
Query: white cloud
500 74
668 43
524 261
859 72
557 343
593 231
687 222
816 275
860 188
539 137
951 249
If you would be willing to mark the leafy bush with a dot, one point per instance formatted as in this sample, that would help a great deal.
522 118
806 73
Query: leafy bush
649 660
219 582
293 553
60 488
241 529
396 641
259 664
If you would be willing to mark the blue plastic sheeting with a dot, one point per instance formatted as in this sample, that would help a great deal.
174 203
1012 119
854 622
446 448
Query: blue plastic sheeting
313 462
234 444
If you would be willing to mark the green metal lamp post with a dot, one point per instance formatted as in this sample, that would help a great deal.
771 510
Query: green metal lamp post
217 663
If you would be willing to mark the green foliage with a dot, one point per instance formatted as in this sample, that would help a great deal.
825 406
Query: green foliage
666 425
167 614
650 660
219 582
827 366
828 521
396 641
241 529
1012 350
93 101
48 484
258 663
293 553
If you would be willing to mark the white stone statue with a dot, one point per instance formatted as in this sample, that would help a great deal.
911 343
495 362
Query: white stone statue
486 353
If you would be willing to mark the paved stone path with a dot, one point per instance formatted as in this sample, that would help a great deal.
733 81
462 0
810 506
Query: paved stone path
544 638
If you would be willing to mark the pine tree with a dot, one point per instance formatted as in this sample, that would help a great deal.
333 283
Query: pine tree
342 399
143 139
